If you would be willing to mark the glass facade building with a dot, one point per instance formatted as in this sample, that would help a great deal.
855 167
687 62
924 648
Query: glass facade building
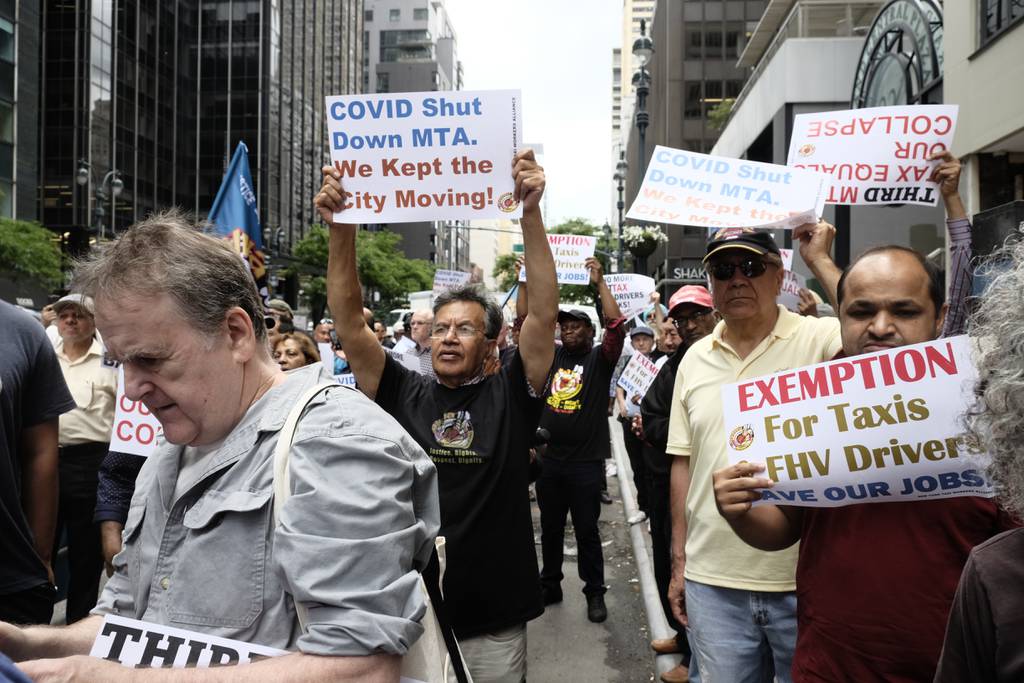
161 93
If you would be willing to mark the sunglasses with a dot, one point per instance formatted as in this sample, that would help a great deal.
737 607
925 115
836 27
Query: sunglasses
750 267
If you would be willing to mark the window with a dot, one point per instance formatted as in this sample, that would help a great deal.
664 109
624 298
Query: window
395 15
692 104
6 199
6 122
368 15
419 14
383 83
733 88
997 16
694 40
6 40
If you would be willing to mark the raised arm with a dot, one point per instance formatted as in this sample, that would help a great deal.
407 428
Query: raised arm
961 276
344 293
609 306
522 296
815 250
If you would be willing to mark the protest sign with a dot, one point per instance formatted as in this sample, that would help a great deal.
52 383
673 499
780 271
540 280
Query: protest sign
873 428
425 156
327 361
632 292
878 155
792 283
142 645
638 375
570 253
686 188
449 279
787 258
404 344
135 429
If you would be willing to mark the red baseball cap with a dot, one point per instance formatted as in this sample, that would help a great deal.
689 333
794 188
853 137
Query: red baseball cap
690 294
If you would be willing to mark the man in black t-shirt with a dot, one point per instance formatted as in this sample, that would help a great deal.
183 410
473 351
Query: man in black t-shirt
576 415
476 428
33 395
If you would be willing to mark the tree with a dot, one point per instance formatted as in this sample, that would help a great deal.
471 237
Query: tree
28 250
382 267
504 271
720 113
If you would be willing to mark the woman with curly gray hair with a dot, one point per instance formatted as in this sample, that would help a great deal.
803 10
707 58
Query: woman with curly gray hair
985 634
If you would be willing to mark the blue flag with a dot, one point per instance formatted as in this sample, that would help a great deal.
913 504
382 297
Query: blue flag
236 218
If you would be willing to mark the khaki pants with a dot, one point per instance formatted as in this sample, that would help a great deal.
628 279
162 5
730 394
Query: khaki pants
498 657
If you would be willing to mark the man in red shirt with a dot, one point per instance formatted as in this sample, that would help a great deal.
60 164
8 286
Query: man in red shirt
875 582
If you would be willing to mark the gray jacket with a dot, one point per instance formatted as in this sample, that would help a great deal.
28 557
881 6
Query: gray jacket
362 517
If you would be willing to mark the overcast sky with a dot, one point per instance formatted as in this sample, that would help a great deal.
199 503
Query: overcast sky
559 53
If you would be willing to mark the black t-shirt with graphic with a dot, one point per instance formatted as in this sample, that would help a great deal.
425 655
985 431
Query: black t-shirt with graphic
478 437
576 404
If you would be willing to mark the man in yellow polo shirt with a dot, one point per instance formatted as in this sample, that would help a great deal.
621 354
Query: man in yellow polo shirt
84 439
738 603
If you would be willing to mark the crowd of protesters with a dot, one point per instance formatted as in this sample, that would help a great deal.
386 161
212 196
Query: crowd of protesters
440 437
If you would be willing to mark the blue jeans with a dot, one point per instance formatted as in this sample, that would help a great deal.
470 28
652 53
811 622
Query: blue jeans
740 636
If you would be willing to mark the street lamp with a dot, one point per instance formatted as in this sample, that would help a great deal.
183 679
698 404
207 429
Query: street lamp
643 50
620 178
107 190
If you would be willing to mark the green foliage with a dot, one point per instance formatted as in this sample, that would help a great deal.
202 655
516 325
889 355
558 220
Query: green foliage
382 266
504 272
719 114
28 250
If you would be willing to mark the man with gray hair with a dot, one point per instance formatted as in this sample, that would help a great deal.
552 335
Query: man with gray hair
203 550
419 332
477 428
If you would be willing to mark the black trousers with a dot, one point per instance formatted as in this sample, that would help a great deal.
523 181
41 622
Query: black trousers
635 451
661 546
31 606
79 470
571 487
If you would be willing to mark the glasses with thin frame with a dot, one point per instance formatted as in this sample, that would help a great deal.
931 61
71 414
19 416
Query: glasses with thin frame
463 331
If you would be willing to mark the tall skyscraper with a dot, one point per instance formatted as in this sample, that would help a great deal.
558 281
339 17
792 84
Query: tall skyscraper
19 109
410 46
143 104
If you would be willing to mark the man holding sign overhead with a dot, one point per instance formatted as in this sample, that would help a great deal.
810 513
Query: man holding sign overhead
477 428
907 556
738 602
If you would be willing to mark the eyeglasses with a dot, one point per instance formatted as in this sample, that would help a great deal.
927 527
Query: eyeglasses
418 322
325 321
465 331
749 267
683 320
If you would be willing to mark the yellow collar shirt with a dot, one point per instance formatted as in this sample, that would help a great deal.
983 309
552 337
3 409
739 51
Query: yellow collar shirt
715 555
93 385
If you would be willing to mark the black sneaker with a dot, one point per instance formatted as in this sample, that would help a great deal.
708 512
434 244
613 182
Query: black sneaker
596 611
551 595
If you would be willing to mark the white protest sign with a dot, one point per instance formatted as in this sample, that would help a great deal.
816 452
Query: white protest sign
637 376
632 292
787 258
686 188
570 253
872 428
449 279
792 283
878 155
346 379
326 356
425 156
142 645
135 429
404 344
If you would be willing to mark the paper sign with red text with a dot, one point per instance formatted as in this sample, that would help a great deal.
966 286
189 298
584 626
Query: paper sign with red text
877 155
872 428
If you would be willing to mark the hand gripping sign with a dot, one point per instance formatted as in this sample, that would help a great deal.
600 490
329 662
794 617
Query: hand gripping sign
135 430
686 188
878 155
427 156
872 428
632 292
